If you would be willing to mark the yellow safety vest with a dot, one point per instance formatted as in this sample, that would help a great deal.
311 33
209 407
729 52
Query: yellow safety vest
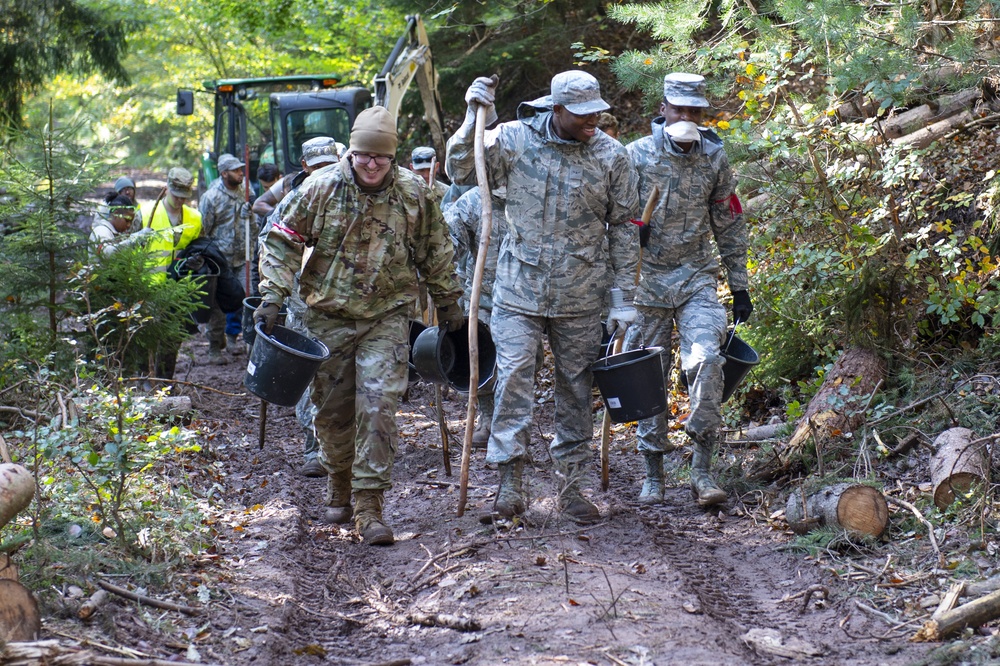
164 245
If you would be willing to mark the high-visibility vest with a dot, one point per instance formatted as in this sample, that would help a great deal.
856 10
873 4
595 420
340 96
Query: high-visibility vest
163 246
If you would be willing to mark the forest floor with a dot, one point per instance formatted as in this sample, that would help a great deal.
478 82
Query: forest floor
664 585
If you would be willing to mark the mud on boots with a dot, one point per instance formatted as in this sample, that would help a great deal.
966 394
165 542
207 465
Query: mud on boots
572 503
338 497
703 486
368 518
509 501
652 488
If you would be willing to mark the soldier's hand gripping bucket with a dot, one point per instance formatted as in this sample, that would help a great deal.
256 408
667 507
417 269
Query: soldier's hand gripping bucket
740 358
251 303
631 384
282 364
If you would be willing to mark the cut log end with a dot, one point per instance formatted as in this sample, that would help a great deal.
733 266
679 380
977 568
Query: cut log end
863 509
960 484
19 618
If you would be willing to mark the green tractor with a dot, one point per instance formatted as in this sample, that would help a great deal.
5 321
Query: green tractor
261 120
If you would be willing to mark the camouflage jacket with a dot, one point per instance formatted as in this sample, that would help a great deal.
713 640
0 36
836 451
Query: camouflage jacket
366 249
568 207
697 204
464 219
220 220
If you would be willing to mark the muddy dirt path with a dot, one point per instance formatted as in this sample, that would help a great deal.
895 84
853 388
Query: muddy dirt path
667 585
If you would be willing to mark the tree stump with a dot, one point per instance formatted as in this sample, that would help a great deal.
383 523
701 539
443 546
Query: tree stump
957 465
17 487
852 506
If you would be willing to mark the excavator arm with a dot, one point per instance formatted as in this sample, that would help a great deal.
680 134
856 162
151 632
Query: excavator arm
411 59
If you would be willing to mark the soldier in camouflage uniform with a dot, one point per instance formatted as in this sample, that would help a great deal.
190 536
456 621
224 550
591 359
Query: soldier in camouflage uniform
422 159
680 271
570 193
371 226
223 209
464 220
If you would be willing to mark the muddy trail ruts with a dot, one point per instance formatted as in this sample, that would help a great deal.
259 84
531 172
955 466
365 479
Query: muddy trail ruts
671 584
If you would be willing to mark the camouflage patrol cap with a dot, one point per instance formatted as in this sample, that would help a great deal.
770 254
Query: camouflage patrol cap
320 150
180 183
422 157
578 92
228 162
683 89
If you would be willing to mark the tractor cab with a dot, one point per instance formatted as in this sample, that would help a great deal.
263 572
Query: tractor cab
267 119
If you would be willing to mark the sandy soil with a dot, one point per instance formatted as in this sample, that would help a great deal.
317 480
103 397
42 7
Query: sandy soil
667 585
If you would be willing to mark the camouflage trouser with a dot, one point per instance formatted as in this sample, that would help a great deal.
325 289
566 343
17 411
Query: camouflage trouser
305 411
356 393
575 342
701 322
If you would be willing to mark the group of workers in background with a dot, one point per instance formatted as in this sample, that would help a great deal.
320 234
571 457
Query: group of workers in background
346 238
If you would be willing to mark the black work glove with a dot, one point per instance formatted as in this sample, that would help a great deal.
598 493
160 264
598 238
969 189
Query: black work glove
450 317
268 314
742 307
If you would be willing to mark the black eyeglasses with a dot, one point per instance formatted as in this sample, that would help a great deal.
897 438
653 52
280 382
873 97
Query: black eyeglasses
380 160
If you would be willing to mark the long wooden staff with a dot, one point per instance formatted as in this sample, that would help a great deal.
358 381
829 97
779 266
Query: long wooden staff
438 393
647 214
485 230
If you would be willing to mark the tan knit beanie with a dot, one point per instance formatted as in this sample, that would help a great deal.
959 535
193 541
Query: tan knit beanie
374 132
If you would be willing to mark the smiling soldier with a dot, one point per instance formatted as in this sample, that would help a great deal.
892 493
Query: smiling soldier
571 191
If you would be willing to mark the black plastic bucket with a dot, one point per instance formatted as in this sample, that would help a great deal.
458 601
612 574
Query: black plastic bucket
282 364
444 359
740 358
631 384
251 303
416 328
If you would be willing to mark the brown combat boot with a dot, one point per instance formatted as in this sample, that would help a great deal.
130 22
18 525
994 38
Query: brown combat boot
338 498
572 503
510 496
368 518
703 485
652 487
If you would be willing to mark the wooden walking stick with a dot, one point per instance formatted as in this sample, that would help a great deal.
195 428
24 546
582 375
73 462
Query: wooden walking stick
485 230
438 393
647 213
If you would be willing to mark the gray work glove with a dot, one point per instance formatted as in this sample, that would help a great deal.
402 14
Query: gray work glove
622 313
450 317
482 92
268 314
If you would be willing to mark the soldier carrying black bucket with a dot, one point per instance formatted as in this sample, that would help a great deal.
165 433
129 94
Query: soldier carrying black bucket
371 226
680 273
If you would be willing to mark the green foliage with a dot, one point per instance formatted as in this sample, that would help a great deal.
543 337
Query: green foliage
106 469
43 37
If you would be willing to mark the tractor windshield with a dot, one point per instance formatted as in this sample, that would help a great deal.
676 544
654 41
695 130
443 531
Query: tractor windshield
302 125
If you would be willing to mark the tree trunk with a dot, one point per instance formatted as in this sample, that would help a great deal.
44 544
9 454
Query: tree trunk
19 619
838 407
854 507
933 111
17 487
957 465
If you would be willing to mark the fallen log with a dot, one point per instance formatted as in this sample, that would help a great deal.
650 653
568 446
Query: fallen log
53 652
934 111
973 614
959 463
445 620
91 605
838 407
17 487
851 506
928 135
149 601
19 618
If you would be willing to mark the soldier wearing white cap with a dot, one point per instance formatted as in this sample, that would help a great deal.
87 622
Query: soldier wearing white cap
571 191
697 205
